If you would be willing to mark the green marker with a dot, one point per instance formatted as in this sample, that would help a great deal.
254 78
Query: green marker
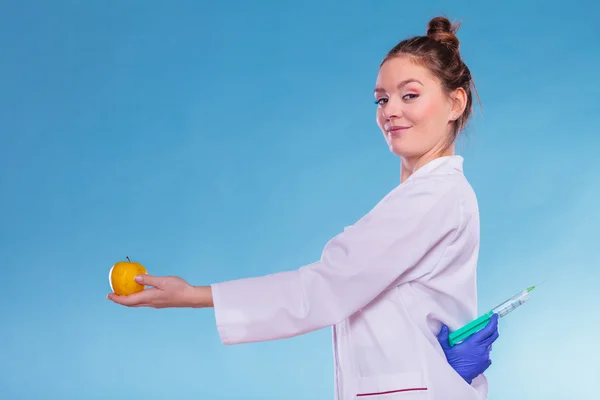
478 324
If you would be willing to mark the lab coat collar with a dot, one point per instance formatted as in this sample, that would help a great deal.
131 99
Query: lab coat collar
446 162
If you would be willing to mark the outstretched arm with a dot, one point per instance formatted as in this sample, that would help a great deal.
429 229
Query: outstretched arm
400 240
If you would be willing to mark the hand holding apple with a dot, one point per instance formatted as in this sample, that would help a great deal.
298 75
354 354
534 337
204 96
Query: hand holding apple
165 291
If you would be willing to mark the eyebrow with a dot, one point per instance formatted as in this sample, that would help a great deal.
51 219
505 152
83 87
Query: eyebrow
404 82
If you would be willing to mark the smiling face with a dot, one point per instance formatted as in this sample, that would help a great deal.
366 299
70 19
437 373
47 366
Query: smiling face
413 111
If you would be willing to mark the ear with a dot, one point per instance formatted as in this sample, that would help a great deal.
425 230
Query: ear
458 102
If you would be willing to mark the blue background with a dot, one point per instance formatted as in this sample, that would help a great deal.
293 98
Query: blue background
223 141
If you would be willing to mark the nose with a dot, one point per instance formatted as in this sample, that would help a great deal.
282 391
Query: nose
392 109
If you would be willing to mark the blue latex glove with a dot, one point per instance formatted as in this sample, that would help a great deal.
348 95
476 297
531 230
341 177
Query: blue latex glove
471 357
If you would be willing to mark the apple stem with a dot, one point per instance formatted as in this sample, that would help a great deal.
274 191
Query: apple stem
127 258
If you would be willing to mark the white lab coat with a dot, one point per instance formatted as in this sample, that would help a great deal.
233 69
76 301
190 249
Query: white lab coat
385 284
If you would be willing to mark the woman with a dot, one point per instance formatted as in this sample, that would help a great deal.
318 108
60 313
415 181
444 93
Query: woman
386 283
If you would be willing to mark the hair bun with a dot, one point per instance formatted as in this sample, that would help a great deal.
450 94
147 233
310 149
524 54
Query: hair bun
442 30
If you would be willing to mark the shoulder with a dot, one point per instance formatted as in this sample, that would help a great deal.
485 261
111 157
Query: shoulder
427 191
445 199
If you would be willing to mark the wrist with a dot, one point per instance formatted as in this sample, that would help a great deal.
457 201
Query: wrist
200 297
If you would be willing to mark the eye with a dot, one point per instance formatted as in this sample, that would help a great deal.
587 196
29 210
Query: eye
410 96
381 101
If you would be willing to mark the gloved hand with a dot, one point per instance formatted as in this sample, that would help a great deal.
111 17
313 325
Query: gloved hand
471 357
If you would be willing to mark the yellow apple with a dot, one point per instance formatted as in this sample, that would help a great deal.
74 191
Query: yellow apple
121 277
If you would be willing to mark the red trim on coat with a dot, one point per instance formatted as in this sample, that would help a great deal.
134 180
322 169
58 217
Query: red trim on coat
391 391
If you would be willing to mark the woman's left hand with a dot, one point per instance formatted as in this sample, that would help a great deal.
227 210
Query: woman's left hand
166 291
471 357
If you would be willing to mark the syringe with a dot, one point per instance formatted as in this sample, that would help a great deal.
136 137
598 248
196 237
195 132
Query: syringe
502 309
512 303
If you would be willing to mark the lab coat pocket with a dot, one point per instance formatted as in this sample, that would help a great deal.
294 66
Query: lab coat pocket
399 386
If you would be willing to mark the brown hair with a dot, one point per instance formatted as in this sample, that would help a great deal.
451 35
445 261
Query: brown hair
439 51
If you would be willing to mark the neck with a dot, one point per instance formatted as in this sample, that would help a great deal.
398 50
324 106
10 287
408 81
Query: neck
409 165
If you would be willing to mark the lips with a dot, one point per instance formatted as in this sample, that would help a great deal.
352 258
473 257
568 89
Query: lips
396 130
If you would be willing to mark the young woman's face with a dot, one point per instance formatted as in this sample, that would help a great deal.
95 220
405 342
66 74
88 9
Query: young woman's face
413 112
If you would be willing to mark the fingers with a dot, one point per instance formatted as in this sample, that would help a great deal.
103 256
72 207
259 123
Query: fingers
488 342
486 365
488 332
491 326
443 337
481 369
140 299
149 280
492 330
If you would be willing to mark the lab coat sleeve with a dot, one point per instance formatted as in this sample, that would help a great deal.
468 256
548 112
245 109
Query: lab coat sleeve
400 240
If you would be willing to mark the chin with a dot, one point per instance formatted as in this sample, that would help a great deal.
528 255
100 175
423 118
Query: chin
401 150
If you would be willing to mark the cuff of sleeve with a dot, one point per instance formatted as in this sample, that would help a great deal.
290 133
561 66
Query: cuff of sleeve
480 384
218 307
231 323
